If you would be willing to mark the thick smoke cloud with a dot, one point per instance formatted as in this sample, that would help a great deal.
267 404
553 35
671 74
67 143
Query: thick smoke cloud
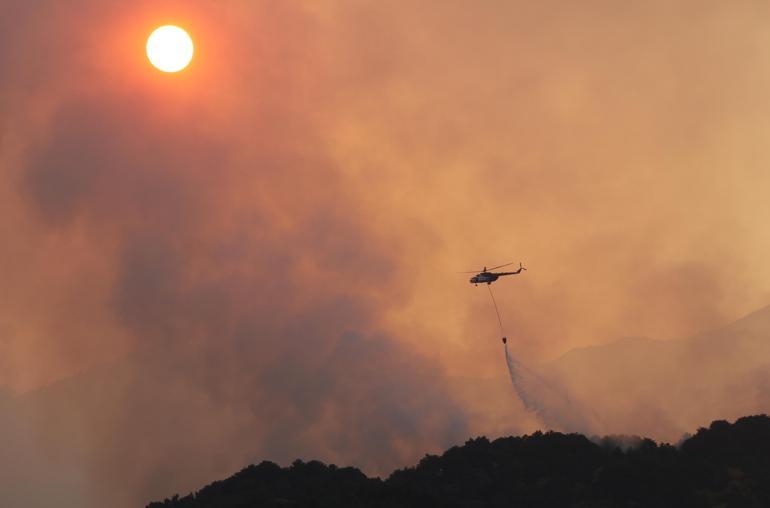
256 259
238 290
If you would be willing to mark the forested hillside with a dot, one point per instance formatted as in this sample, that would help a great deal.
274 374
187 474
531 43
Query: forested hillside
724 465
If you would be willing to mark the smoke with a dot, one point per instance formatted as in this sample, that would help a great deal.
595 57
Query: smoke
31 475
197 277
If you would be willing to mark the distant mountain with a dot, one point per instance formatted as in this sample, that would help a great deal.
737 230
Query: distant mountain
663 388
724 465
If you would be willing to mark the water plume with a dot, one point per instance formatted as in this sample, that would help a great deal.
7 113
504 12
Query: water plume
550 403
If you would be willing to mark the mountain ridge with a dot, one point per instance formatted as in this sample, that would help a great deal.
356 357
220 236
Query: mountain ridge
662 388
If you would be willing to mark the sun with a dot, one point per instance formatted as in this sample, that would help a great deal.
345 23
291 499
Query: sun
170 48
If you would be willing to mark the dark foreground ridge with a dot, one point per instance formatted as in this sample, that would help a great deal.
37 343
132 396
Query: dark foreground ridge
725 465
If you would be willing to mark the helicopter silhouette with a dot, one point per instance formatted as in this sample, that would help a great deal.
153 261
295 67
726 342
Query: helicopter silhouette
488 276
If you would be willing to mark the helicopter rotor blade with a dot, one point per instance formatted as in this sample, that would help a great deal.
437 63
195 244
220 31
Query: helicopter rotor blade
474 271
496 267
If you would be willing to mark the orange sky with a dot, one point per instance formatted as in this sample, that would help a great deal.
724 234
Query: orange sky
279 225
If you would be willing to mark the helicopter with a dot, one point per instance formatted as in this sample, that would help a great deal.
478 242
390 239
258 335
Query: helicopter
486 275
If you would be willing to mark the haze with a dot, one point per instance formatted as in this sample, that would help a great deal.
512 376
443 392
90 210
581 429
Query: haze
256 258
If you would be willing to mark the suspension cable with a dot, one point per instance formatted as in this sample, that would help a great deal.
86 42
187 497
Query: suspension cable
499 320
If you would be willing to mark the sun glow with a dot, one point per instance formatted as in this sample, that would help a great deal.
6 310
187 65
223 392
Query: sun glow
169 48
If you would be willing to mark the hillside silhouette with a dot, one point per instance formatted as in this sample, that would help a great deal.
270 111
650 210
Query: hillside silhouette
723 465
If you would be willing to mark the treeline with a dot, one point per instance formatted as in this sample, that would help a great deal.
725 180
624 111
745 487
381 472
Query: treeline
726 465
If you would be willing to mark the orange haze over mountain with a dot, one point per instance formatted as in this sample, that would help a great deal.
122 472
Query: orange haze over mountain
256 258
